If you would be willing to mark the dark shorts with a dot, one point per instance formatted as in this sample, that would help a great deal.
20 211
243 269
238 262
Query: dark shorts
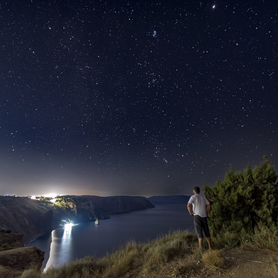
201 226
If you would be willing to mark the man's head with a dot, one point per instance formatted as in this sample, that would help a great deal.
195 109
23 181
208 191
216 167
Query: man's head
196 190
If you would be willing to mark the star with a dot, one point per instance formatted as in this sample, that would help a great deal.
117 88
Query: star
213 6
165 160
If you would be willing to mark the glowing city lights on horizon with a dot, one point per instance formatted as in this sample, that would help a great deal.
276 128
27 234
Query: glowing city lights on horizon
51 195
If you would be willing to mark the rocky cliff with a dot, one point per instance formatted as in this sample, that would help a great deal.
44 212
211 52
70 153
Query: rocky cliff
36 217
25 216
92 207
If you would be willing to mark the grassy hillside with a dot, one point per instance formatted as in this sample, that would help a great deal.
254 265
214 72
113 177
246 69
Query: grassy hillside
173 255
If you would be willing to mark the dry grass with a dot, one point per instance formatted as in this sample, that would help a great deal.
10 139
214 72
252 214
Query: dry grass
265 237
250 262
122 262
168 248
8 272
85 267
213 259
30 273
186 267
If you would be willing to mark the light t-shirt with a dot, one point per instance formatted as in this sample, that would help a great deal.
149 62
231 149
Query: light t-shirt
199 203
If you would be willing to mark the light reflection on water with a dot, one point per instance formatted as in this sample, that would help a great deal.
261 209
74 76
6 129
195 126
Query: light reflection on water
60 248
63 246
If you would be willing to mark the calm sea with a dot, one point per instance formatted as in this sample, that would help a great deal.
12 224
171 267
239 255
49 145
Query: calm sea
65 245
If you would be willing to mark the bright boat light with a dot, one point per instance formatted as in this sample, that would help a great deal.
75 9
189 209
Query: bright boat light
68 225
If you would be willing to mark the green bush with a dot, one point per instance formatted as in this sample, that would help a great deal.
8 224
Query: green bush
243 203
263 237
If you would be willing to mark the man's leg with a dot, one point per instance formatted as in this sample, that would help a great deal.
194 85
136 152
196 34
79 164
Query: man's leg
206 232
199 232
209 242
200 241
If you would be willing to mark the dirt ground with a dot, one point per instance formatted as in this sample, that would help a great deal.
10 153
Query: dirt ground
250 263
238 262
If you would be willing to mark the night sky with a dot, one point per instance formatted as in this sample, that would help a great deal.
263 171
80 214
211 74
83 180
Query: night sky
134 97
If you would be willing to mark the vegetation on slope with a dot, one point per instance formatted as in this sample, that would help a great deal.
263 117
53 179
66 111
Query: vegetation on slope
245 207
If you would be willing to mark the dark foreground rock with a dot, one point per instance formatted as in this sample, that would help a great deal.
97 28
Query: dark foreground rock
15 258
9 240
22 258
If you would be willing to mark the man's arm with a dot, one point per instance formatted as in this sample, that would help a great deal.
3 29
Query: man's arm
190 205
208 207
190 208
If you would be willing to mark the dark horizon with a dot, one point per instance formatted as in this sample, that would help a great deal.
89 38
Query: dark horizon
134 97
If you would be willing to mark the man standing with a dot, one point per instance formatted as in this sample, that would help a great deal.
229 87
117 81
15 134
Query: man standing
199 207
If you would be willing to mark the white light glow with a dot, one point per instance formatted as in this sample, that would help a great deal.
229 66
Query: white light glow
53 200
68 226
33 197
50 195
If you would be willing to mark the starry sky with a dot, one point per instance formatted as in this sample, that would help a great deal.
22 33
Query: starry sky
134 97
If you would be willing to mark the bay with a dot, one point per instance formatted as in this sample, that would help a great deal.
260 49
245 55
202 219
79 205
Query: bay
63 246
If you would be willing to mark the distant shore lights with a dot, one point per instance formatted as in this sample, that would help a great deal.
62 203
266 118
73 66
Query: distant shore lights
51 196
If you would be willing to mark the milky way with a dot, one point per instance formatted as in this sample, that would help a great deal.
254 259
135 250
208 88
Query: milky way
134 97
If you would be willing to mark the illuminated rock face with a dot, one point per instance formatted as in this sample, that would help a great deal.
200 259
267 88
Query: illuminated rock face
36 217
